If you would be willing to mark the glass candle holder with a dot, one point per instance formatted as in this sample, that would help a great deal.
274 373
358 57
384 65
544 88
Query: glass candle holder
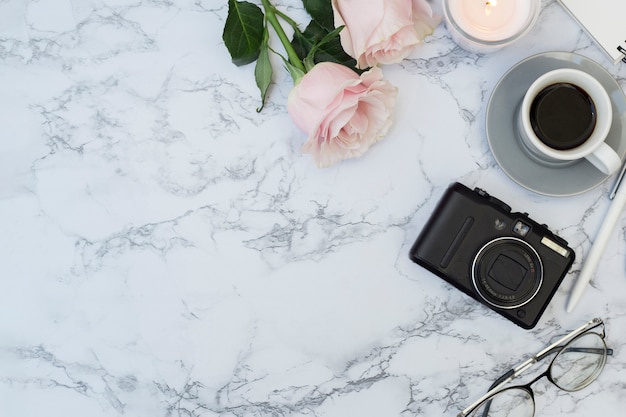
487 25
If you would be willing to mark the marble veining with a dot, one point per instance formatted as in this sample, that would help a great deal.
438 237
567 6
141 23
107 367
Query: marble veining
167 250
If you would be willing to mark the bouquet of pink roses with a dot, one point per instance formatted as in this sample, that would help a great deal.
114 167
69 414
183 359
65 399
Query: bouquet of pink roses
339 96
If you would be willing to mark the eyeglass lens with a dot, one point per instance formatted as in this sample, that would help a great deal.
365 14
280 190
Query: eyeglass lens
579 363
512 402
575 366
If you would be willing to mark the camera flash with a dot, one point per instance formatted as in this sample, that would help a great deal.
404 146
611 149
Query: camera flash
555 246
521 229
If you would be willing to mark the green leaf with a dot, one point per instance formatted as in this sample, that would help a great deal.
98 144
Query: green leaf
327 46
243 31
321 11
263 71
303 42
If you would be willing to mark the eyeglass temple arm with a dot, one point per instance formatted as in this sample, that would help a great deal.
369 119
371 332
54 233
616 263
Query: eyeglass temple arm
514 373
519 369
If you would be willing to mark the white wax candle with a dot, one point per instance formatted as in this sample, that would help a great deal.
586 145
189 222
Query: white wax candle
492 20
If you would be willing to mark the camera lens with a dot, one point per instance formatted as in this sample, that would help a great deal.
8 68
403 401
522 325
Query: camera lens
507 272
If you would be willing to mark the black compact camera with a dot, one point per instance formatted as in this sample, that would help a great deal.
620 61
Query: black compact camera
505 260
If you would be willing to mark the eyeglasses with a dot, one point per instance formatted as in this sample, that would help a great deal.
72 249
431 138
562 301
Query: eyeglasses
580 357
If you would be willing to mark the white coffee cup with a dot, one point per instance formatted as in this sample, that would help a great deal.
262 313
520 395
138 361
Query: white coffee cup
593 148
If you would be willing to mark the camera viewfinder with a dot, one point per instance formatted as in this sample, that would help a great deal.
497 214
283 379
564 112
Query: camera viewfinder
521 228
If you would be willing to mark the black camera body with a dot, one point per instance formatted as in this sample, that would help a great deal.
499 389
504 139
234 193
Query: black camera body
504 260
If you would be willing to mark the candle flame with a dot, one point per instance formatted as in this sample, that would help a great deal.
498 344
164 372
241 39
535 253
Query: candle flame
488 5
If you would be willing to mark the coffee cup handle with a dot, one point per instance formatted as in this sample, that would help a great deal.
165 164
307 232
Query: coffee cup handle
605 159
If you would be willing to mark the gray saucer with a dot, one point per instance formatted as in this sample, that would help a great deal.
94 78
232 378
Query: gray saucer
502 137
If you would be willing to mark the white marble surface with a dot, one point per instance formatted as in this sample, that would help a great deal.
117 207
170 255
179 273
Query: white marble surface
168 251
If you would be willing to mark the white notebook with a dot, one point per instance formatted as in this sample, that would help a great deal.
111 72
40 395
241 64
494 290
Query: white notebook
603 20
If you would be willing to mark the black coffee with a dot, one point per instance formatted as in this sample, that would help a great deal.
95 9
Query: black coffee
563 116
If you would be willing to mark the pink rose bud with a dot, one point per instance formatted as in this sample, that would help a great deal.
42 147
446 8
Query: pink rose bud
342 113
382 31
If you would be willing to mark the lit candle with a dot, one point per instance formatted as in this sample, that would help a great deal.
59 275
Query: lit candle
484 25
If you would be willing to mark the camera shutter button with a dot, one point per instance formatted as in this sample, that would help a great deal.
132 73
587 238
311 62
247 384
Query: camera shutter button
481 192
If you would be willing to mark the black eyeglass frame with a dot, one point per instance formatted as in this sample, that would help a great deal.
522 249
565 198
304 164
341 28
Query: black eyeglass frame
497 387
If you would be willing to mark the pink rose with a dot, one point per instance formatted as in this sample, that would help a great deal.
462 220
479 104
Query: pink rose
343 113
382 31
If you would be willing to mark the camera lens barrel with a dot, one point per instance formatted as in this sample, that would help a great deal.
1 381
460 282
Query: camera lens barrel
507 272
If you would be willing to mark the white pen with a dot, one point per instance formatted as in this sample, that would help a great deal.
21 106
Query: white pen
618 197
